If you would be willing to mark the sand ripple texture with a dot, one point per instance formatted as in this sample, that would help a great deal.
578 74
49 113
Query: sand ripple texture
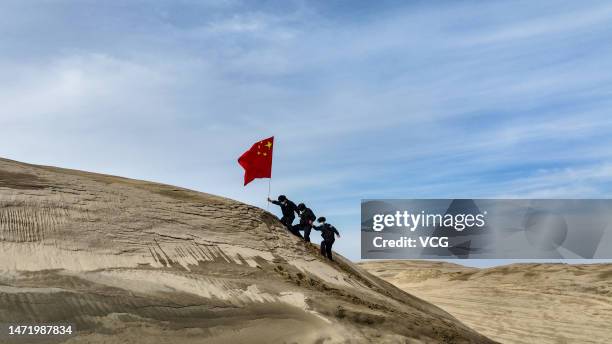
130 261
518 303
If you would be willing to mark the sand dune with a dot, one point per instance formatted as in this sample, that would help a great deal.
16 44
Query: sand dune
519 303
128 261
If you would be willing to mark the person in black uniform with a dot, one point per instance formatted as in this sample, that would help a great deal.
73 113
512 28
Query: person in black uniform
328 233
307 218
289 210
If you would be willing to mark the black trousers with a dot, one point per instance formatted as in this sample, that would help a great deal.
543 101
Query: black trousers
295 230
326 248
288 222
306 228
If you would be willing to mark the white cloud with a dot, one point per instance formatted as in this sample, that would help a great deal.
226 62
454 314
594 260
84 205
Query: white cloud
565 21
582 182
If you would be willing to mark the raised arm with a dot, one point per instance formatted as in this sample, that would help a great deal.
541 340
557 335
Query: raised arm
293 207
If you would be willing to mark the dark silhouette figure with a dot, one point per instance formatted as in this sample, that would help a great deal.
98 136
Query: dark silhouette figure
307 217
289 210
328 233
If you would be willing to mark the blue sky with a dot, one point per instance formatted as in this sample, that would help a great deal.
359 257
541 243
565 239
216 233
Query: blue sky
384 99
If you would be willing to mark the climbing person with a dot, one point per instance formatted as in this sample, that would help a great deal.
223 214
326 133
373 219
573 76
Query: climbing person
289 210
328 233
307 218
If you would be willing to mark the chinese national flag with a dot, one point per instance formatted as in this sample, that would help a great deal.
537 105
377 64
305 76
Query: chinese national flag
257 161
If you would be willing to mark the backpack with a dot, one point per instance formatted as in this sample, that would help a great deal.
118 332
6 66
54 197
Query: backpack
307 216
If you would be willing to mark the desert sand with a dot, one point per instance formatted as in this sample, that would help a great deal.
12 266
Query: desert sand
128 261
518 303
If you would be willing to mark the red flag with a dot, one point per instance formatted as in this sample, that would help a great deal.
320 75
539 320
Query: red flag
257 161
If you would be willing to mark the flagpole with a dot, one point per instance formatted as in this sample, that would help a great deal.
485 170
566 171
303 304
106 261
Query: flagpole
270 179
269 187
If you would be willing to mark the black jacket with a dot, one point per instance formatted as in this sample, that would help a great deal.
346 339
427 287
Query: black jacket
327 231
307 217
289 208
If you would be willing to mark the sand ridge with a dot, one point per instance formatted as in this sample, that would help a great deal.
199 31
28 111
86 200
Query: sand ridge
518 303
130 261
